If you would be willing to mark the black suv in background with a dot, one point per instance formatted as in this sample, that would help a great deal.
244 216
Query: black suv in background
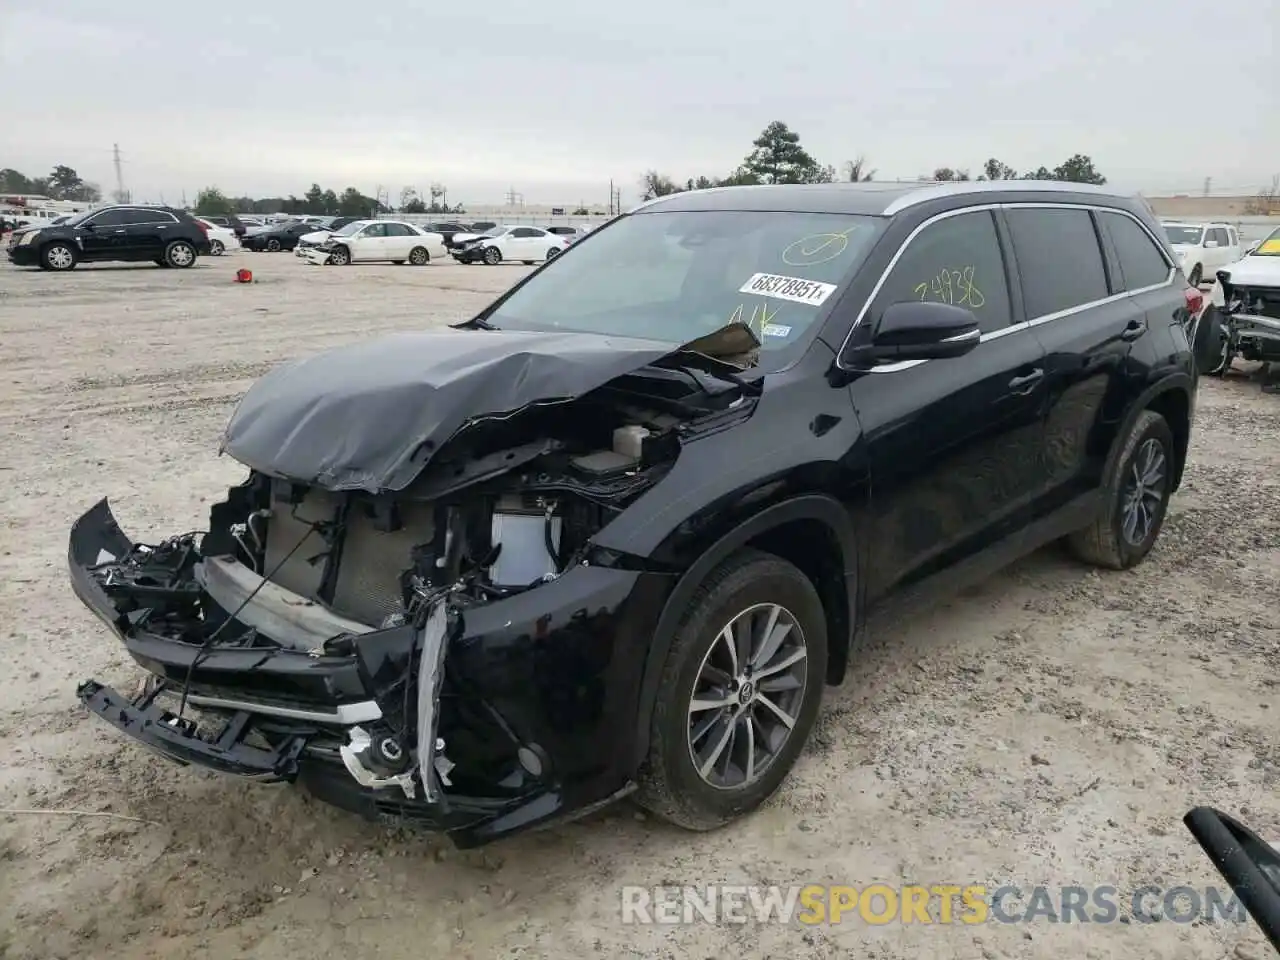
165 235
621 529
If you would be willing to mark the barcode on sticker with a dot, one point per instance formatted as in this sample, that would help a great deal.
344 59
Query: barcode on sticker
794 289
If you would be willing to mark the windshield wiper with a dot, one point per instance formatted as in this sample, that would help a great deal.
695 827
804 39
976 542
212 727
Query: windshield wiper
475 323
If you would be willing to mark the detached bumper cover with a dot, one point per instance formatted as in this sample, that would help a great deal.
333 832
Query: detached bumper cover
178 740
553 672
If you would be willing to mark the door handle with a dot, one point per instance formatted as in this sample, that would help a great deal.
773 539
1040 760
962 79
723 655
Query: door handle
1024 385
1134 329
120 231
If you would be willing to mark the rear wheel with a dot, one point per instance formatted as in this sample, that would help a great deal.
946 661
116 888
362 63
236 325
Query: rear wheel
59 256
739 693
180 254
419 256
273 245
552 253
1196 276
216 248
1137 498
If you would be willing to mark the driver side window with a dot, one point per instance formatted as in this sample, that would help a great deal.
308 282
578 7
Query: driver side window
958 261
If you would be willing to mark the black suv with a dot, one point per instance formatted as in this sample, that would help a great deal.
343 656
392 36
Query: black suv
170 237
618 531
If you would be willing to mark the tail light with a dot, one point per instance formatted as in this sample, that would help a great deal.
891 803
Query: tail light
203 226
1195 300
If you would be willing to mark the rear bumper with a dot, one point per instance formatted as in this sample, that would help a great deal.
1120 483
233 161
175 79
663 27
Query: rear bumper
552 673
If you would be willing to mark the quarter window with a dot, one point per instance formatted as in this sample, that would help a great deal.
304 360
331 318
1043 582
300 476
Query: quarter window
1059 259
1142 264
957 261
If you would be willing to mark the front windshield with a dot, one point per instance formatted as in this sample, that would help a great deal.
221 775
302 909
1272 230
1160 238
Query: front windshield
353 227
494 232
1269 247
1181 234
678 276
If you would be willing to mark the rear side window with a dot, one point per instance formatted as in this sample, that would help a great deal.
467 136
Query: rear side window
1142 264
1059 259
149 216
958 261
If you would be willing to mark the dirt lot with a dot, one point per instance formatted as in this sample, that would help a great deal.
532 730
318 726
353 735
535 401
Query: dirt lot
1049 728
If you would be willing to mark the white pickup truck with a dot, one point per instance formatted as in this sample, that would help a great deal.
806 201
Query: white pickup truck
1203 248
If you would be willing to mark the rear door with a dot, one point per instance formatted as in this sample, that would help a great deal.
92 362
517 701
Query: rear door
399 241
1075 300
147 232
955 446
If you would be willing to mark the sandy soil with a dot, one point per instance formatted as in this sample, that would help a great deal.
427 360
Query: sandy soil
1051 727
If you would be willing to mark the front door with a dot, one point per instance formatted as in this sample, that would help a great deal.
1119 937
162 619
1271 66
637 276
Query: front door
954 446
369 243
103 237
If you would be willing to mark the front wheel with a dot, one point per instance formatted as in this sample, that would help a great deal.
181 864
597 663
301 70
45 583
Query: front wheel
59 256
1137 498
739 693
493 256
419 256
273 246
180 254
340 257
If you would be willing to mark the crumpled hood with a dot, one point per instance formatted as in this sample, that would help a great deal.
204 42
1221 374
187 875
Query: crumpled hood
369 416
1255 271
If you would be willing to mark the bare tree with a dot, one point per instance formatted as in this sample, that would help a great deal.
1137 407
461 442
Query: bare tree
856 170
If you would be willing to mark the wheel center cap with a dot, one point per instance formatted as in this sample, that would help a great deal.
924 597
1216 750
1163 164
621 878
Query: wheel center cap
746 692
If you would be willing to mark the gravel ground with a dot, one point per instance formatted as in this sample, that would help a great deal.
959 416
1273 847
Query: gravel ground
1050 727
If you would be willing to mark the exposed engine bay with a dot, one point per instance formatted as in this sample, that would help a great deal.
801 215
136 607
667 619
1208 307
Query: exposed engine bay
288 567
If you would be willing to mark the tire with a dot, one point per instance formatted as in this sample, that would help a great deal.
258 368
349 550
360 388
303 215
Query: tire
340 257
1195 276
552 253
180 254
59 256
273 245
419 256
1213 347
216 248
670 784
1106 543
492 256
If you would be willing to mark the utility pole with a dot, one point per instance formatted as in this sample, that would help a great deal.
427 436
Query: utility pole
1207 181
121 196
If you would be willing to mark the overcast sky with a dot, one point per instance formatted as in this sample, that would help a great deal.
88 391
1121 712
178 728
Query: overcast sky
555 98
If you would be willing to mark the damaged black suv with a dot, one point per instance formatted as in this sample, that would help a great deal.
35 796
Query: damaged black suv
617 532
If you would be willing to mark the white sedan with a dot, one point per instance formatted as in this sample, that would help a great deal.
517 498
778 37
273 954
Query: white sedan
367 241
526 244
221 239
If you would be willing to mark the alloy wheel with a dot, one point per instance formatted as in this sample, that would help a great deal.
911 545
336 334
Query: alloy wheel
1144 492
60 257
747 696
181 255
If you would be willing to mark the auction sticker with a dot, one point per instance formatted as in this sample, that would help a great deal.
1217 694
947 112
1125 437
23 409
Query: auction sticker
788 288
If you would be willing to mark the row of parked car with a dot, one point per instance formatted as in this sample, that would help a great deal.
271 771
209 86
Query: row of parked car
344 240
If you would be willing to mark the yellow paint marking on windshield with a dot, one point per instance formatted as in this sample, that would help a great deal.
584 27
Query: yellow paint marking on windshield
955 287
1269 246
817 248
761 317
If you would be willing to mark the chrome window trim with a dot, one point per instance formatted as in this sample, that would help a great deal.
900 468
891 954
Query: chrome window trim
1016 327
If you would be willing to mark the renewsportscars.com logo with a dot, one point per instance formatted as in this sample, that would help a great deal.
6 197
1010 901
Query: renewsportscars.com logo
881 904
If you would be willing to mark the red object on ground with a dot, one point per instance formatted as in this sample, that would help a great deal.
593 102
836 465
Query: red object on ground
244 276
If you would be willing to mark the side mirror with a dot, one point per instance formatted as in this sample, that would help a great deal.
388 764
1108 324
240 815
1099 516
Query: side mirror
920 330
1209 244
1246 861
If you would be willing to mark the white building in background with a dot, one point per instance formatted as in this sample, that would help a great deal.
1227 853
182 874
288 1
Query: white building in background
33 208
